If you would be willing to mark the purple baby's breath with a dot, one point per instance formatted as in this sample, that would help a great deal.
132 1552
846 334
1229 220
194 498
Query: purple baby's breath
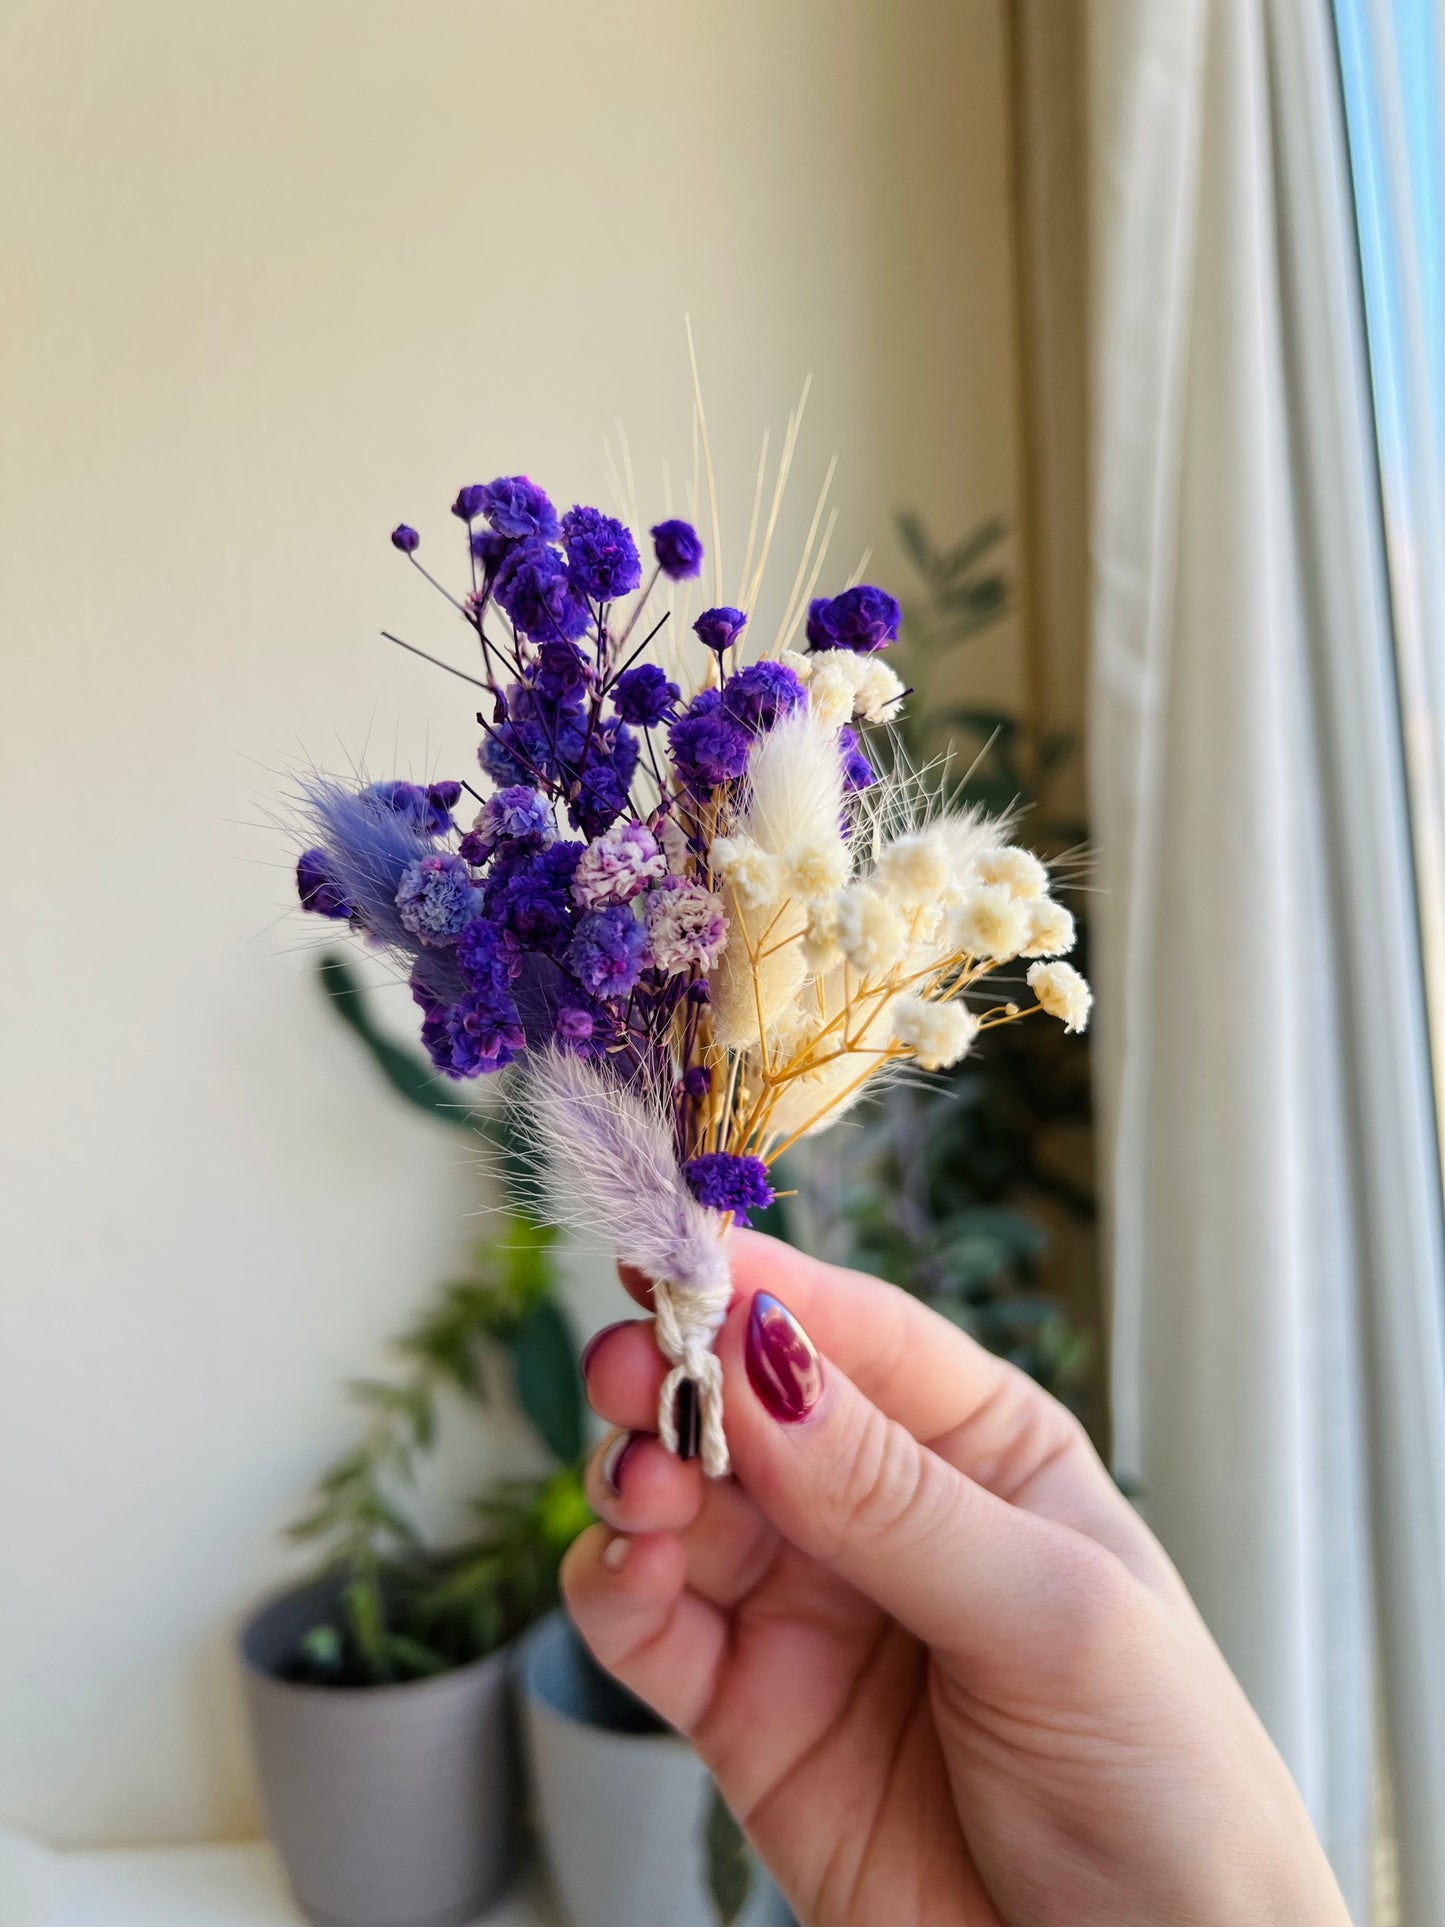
863 619
686 926
758 695
709 747
602 559
517 814
617 866
470 502
517 507
726 1182
678 549
532 586
606 954
436 899
858 772
318 890
719 629
644 695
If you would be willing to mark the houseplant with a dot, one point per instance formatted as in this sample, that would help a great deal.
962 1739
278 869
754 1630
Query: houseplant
586 1740
379 1691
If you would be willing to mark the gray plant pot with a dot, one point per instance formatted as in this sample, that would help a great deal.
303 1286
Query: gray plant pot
391 1806
620 1801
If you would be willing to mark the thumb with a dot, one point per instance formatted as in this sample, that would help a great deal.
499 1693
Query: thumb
960 1568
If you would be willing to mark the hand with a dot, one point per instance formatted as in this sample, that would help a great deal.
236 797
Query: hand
940 1669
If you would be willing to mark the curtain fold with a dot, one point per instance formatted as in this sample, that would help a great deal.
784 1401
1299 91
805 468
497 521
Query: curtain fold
1272 1194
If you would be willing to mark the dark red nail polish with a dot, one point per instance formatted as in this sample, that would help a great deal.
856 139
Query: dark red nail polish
687 1417
783 1368
589 1350
616 1457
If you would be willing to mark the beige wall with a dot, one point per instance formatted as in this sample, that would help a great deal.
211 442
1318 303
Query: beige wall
275 275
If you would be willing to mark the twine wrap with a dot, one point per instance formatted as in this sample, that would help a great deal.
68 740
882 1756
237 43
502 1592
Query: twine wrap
689 1318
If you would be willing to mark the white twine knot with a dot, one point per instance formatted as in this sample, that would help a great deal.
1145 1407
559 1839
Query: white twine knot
688 1321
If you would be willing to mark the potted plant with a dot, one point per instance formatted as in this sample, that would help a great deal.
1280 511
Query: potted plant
379 1692
603 1769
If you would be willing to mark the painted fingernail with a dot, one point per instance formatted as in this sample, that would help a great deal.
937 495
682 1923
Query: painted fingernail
616 1456
783 1367
589 1350
614 1553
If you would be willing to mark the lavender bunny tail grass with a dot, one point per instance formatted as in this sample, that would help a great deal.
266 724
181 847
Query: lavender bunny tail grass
606 1165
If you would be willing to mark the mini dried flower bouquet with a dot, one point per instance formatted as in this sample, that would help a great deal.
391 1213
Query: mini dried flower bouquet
687 907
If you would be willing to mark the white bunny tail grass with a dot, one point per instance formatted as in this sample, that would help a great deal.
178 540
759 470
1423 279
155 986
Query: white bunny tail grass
606 1163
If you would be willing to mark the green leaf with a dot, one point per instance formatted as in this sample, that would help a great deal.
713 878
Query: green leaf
408 1072
365 1611
729 1863
549 1385
412 1658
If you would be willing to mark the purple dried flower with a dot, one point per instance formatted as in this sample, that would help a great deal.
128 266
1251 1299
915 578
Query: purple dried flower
602 558
485 1033
488 957
404 538
529 892
437 899
490 549
427 809
318 890
533 588
677 548
618 866
644 695
708 746
470 502
686 926
697 1080
560 672
366 842
725 1182
607 952
863 619
517 814
719 629
858 772
758 695
699 991
515 506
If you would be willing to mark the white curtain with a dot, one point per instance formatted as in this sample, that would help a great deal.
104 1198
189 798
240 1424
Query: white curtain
1271 1175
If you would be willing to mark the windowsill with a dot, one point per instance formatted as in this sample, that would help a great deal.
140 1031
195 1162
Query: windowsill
220 1886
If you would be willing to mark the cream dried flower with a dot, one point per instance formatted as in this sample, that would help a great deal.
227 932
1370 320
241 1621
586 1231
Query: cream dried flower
794 659
814 870
1062 992
991 923
1018 871
871 933
915 870
876 690
938 1034
1051 929
754 875
820 948
830 694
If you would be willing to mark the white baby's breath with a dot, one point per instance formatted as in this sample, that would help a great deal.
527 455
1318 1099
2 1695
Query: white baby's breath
871 933
1051 929
991 923
915 870
1018 871
938 1034
754 875
1062 992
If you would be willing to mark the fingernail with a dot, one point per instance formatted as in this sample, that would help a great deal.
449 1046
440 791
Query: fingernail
614 1553
589 1350
783 1367
617 1455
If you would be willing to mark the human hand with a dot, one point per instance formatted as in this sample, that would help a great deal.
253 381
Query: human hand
940 1669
